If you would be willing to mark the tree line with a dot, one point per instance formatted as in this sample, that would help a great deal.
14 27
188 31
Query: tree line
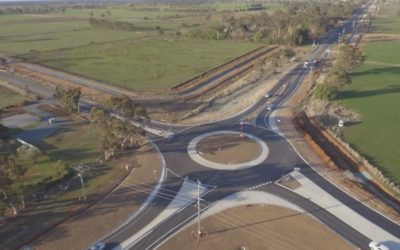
297 23
347 57
119 133
108 24
13 166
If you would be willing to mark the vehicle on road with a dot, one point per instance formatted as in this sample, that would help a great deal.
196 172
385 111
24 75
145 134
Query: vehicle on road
374 245
98 246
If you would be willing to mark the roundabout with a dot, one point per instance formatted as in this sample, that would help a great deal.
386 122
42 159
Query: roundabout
228 150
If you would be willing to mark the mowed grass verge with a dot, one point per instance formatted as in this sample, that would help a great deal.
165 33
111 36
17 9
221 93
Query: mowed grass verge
375 94
157 62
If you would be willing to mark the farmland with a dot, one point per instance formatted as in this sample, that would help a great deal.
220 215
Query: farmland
375 94
144 64
155 55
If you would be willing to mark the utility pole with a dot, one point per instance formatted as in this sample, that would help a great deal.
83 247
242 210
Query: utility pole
198 208
80 175
311 72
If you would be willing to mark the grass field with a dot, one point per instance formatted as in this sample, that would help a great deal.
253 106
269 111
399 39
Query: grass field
61 147
145 64
138 60
387 21
375 94
9 97
22 45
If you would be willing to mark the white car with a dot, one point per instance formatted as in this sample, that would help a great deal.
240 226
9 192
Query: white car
98 246
373 245
267 95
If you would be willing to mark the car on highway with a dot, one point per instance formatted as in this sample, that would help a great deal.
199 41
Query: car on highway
267 95
98 246
374 245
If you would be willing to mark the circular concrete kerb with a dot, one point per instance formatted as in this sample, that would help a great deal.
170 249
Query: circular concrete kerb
197 156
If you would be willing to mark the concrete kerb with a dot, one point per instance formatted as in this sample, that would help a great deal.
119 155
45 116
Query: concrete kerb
195 156
152 195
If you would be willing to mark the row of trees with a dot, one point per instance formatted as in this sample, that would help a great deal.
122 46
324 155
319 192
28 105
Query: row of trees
297 23
12 190
119 133
108 24
30 10
347 57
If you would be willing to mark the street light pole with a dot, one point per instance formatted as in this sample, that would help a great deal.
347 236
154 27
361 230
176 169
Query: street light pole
241 129
83 185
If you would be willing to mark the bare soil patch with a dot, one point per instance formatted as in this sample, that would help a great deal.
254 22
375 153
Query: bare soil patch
229 148
261 227
84 229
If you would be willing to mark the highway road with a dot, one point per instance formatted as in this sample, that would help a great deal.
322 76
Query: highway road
282 160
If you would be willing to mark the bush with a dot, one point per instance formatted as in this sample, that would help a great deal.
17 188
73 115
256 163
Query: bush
27 152
325 92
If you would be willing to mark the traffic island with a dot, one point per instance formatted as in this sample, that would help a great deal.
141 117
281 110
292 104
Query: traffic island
228 150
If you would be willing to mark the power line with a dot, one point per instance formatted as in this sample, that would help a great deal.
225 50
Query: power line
171 197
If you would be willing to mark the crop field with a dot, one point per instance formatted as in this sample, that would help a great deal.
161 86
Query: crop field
145 64
375 94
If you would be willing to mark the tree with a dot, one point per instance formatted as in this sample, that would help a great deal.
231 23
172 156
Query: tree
325 92
118 134
5 183
3 131
127 108
69 97
338 77
348 57
315 31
